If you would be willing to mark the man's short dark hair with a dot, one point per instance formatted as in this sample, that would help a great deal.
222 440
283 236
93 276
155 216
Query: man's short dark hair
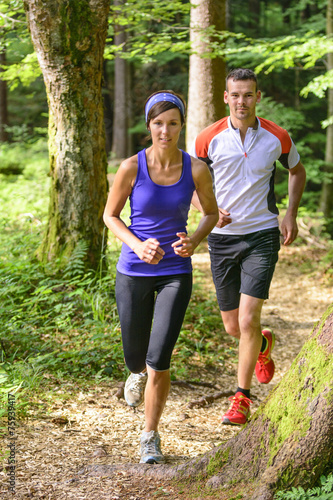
242 74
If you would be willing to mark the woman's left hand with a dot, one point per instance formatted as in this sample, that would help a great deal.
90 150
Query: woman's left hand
184 246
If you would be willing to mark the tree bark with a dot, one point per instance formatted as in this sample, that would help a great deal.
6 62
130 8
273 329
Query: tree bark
3 101
121 144
206 75
326 202
254 17
288 441
69 38
108 108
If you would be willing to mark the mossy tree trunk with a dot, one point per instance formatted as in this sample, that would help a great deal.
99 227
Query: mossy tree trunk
69 38
288 442
206 74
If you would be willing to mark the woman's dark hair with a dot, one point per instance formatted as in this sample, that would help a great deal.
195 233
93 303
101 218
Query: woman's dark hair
161 107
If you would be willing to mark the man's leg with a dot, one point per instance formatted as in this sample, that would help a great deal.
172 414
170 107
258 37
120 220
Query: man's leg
242 269
250 339
231 322
244 324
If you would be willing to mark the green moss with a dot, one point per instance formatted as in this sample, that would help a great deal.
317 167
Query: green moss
286 476
78 22
218 461
289 408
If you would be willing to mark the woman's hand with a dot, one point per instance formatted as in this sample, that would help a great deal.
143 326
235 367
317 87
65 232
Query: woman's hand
183 247
149 251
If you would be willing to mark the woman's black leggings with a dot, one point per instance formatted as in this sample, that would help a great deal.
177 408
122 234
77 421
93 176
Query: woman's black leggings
160 301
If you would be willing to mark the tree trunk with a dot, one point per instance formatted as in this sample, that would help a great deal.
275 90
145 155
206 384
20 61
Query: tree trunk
206 75
288 441
254 17
69 38
121 144
108 107
326 203
3 101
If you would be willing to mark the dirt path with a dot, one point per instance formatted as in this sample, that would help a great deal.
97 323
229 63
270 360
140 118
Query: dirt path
103 430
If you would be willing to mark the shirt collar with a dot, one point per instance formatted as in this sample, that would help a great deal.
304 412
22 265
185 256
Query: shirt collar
255 128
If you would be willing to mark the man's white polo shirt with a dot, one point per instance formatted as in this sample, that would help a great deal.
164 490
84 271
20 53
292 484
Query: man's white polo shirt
243 174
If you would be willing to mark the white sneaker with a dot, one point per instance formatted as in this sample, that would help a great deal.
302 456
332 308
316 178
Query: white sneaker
134 391
151 448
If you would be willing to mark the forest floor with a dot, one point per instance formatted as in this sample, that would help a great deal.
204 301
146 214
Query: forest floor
54 451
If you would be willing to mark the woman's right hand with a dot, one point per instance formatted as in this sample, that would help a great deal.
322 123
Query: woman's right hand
149 251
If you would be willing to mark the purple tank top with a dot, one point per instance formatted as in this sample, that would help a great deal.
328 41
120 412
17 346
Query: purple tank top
158 212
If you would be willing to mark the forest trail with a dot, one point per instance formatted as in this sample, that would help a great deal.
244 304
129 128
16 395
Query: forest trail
98 428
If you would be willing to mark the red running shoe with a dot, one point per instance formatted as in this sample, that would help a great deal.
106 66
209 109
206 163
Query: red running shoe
265 365
239 410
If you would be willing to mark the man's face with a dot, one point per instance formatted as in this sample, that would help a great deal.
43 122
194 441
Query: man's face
242 97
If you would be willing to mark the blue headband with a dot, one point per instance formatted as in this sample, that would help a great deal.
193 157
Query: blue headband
162 96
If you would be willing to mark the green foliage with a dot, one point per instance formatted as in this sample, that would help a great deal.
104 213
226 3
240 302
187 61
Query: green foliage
61 326
12 18
154 28
286 52
23 196
273 50
324 491
286 117
320 84
25 71
21 379
66 325
61 322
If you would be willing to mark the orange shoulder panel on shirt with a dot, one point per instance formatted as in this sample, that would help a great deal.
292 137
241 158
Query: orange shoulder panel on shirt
204 138
279 132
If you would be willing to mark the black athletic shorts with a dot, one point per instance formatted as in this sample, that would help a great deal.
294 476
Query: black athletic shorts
243 264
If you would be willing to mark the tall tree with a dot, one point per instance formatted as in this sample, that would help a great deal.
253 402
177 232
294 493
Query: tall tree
207 73
326 204
121 143
69 38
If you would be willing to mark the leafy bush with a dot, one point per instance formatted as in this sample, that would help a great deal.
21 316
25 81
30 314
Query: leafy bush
324 491
63 322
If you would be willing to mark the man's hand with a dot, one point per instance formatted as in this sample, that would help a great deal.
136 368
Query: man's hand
289 229
224 218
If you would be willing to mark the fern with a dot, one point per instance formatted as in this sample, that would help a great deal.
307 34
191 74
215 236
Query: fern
76 262
322 492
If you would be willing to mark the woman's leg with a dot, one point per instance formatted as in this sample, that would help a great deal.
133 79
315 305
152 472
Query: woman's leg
173 295
135 304
157 390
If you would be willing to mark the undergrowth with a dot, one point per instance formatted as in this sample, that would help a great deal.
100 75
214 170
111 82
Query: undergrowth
323 491
64 325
